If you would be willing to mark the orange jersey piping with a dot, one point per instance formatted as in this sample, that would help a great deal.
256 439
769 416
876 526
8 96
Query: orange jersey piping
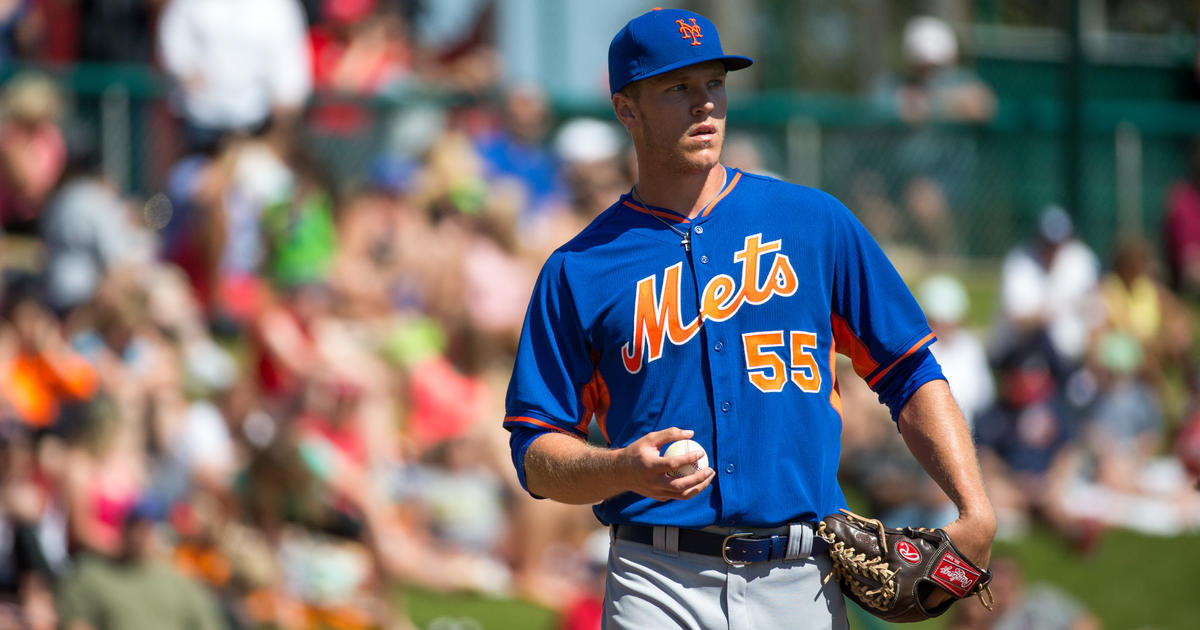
721 196
540 423
911 350
835 396
658 213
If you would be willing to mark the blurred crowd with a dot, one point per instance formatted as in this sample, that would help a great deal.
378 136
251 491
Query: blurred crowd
1081 391
269 393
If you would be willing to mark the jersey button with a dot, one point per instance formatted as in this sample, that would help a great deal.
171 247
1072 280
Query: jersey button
719 346
704 260
729 469
699 229
726 406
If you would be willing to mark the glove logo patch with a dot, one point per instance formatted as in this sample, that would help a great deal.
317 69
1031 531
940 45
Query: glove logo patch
955 575
908 552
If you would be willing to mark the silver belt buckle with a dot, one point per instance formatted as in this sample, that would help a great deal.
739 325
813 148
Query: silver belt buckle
725 548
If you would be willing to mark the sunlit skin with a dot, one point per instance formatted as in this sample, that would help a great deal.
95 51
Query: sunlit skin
677 122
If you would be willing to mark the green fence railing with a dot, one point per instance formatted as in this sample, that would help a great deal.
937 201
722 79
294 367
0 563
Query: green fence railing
995 177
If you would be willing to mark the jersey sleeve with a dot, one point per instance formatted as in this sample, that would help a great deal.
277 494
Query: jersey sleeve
876 320
553 365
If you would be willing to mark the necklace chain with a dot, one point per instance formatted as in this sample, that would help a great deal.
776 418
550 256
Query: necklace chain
686 235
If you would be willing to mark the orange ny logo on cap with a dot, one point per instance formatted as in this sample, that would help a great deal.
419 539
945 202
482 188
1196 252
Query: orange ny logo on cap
690 31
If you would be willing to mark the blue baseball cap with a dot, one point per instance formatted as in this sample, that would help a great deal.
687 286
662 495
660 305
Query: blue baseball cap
664 40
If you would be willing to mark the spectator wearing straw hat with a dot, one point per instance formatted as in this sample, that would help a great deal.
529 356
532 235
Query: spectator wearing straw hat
32 150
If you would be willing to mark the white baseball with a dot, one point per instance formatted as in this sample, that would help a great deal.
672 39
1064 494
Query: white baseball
686 446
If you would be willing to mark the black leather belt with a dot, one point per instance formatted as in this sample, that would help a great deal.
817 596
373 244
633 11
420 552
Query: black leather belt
736 548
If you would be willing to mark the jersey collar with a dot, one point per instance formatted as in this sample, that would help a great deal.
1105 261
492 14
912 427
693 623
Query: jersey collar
732 177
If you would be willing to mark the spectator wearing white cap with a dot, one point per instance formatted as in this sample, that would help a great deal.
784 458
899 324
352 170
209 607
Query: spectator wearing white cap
590 152
1048 285
930 169
958 349
934 86
592 158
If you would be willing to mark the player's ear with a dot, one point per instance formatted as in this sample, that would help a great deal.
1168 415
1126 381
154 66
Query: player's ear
625 110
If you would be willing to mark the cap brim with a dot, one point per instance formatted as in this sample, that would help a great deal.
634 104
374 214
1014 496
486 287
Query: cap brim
732 62
736 62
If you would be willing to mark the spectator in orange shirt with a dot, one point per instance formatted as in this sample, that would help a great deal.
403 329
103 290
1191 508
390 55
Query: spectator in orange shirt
39 373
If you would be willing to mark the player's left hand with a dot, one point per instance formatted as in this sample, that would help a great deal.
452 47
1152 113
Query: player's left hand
973 537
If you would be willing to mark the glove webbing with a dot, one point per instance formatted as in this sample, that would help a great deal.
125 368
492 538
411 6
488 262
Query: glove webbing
846 562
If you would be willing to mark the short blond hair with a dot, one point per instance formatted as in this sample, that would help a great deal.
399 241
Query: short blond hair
31 97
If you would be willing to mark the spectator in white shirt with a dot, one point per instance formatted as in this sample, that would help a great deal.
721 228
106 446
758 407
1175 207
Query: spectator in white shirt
1049 286
88 232
238 65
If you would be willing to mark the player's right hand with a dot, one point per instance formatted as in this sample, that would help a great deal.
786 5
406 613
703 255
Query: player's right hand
645 470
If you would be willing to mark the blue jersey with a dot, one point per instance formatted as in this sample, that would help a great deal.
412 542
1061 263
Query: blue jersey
733 337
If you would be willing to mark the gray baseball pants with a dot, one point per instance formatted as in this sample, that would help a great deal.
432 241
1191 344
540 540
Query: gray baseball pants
658 587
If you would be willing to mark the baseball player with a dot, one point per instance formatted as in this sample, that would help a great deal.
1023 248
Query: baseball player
707 304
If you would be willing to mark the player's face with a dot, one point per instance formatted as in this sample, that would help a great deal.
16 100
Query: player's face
681 118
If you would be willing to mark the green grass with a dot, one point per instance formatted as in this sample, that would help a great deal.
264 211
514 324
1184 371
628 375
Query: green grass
1129 582
488 613
980 280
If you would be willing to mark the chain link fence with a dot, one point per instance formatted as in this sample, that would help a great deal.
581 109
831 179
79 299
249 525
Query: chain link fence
962 191
973 191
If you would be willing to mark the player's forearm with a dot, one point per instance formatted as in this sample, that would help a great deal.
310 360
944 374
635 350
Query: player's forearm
934 430
569 470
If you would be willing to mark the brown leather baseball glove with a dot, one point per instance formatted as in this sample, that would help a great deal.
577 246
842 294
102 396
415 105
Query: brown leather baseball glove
890 572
